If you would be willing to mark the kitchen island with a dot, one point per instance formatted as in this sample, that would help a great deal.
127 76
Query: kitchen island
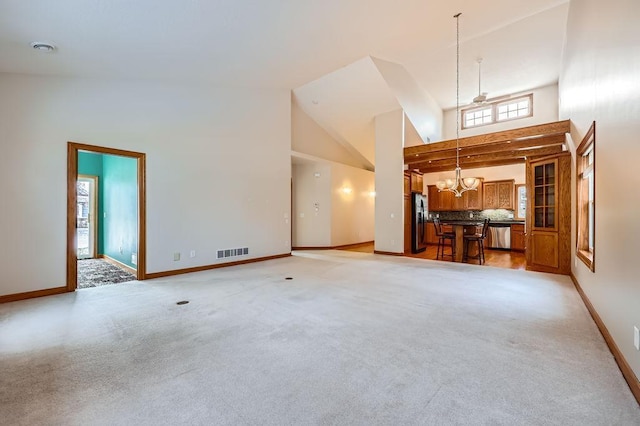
460 228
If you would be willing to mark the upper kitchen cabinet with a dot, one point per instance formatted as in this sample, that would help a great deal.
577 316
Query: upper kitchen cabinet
416 182
433 198
473 199
549 214
447 201
413 182
498 194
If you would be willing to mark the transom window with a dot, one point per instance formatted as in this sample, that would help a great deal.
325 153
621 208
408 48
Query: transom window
498 111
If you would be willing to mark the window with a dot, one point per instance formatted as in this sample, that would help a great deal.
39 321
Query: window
478 117
496 112
586 193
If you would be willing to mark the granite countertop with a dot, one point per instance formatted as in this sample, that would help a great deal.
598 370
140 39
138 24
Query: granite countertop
480 222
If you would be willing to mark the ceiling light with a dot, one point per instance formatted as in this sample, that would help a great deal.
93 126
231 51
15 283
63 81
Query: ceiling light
458 185
42 46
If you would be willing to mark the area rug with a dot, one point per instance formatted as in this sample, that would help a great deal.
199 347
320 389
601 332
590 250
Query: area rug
97 272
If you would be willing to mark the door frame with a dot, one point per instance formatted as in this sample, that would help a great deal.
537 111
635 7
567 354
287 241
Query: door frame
93 215
72 176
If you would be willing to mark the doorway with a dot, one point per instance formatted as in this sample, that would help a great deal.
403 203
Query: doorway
81 240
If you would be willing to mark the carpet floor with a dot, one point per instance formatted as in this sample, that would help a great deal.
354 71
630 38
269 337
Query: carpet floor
97 272
353 338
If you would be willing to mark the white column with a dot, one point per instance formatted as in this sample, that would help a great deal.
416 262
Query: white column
389 223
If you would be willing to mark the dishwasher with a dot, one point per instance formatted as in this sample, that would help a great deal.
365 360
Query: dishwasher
499 236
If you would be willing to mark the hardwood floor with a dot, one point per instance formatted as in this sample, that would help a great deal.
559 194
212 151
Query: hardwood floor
498 258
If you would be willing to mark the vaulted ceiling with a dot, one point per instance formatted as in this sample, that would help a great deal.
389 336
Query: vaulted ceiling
292 43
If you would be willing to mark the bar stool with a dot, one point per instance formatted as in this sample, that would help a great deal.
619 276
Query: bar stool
442 237
478 239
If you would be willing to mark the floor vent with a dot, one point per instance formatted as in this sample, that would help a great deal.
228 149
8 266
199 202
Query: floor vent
232 252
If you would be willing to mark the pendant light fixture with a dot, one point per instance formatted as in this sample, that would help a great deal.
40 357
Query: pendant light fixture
458 184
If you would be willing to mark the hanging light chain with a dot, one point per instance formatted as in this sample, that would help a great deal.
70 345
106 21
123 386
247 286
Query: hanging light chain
458 185
457 16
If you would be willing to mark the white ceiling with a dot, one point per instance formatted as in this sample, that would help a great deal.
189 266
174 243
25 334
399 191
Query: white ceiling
289 43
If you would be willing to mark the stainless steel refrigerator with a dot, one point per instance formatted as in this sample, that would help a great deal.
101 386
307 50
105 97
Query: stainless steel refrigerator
419 215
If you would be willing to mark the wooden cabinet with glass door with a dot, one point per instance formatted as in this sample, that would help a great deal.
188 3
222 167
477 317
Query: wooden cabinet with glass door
548 214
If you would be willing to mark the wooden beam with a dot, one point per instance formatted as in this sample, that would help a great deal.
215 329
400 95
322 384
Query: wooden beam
468 161
475 166
558 127
491 148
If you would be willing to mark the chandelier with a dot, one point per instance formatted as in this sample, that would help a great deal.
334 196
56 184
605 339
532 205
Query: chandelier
458 184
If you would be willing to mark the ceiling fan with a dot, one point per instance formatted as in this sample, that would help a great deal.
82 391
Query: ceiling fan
481 99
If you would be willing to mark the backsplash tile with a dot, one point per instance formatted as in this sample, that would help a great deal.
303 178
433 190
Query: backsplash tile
498 214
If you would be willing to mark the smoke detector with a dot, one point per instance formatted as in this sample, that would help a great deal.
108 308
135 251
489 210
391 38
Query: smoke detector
43 46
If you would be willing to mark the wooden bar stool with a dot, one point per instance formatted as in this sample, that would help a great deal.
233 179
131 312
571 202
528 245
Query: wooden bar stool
478 239
442 237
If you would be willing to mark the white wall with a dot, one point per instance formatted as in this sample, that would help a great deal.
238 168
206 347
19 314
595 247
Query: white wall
312 205
411 136
513 171
599 81
352 213
545 110
218 168
389 219
423 111
340 218
309 138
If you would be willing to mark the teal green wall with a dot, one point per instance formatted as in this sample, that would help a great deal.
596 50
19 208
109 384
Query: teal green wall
120 194
90 163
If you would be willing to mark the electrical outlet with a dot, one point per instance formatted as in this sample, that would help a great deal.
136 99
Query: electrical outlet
121 250
192 253
636 338
134 258
176 256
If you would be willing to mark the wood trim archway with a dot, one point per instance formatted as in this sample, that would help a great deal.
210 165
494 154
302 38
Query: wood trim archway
72 176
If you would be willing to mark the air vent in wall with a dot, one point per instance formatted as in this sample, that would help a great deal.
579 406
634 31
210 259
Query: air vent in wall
232 252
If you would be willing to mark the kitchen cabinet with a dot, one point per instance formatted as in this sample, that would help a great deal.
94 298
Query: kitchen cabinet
416 182
432 238
548 239
431 234
433 198
498 194
518 237
473 199
447 201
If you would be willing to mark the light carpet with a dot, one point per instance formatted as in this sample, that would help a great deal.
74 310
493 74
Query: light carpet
354 338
